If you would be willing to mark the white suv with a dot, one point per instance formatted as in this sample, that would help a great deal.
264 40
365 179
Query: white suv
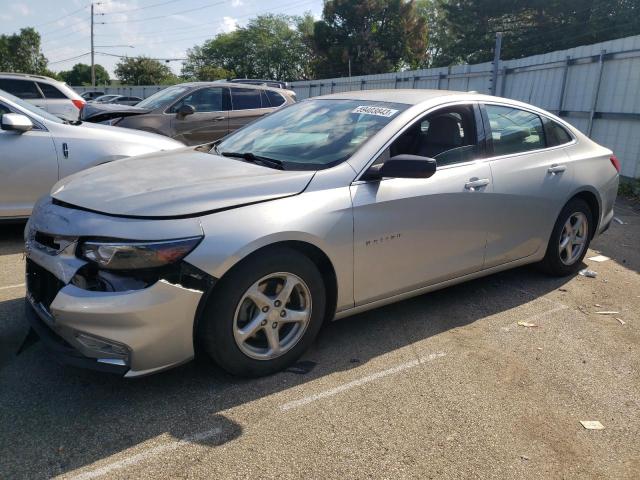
51 95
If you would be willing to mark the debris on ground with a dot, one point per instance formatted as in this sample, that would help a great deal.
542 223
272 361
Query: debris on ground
599 258
622 322
618 220
592 424
524 457
597 305
607 312
527 324
588 273
563 290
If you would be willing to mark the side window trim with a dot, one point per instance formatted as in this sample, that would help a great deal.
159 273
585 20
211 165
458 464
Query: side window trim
490 150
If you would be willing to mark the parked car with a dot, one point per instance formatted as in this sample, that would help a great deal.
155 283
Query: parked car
51 95
124 100
104 98
326 208
37 149
88 96
193 113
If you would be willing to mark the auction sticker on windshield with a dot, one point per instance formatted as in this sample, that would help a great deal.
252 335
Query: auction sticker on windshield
379 111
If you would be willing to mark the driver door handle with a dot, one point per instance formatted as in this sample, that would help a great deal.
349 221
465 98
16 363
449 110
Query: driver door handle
217 119
474 185
553 169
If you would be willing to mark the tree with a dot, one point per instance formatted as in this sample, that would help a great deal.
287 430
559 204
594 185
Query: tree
143 71
21 52
375 36
80 74
270 47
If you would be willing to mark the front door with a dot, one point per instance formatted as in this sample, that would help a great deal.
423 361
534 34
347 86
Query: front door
210 120
410 233
28 168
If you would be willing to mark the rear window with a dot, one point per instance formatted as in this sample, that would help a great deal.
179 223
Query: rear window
20 88
514 130
245 98
275 99
50 91
555 133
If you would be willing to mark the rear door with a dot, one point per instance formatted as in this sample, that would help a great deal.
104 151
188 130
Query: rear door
247 105
28 168
210 120
532 177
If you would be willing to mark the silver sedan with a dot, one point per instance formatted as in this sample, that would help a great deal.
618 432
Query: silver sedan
241 249
37 149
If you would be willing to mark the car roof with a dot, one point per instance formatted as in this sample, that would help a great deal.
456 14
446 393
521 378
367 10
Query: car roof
28 75
217 83
407 96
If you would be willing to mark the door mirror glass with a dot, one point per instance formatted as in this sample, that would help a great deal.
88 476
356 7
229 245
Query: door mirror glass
403 166
185 110
16 122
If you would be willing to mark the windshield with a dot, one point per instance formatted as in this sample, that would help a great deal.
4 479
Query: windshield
313 134
30 108
163 97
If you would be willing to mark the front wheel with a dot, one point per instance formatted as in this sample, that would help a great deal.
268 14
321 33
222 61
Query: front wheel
569 240
264 313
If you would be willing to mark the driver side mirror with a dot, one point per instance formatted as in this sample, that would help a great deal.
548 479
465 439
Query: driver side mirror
185 110
403 166
16 122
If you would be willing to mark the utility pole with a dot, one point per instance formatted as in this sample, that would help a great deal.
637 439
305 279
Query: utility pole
349 66
93 66
496 62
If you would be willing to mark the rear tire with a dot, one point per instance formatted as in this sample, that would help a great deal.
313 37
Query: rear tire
251 326
569 240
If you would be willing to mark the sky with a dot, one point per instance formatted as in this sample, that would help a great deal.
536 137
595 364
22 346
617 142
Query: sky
162 29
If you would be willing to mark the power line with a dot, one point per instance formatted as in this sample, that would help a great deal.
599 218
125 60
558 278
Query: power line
70 58
137 20
62 17
140 8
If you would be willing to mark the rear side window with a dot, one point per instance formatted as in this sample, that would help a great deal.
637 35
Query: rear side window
275 99
555 133
50 91
245 98
514 130
25 89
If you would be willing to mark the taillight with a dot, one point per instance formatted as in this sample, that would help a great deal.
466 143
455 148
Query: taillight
615 162
79 104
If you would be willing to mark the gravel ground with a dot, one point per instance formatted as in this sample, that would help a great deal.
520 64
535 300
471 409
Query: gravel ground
446 385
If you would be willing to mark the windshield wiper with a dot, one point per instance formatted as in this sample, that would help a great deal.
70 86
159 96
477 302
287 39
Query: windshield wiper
251 157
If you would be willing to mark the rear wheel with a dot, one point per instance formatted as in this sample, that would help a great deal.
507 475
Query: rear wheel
264 313
570 239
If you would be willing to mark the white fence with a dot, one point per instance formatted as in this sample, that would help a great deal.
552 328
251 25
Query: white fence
595 87
142 91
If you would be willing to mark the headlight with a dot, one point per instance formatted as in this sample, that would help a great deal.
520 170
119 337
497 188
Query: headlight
123 255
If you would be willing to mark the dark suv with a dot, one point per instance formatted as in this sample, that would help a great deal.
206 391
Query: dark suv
193 113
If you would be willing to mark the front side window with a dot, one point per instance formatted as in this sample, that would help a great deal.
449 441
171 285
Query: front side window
313 134
514 130
447 135
203 100
29 108
50 91
246 99
25 89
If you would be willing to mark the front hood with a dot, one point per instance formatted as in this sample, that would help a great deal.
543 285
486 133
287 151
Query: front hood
99 112
180 183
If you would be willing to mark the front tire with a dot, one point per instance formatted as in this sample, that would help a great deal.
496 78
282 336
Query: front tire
570 239
264 313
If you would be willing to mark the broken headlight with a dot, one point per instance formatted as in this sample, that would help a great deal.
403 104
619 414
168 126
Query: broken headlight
125 255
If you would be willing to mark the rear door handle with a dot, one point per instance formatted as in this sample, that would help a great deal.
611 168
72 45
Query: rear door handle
553 169
474 185
217 119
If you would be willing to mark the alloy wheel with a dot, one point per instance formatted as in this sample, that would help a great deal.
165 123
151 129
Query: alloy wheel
272 316
573 238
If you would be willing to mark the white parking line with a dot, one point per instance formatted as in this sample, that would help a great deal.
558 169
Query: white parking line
17 285
361 381
148 453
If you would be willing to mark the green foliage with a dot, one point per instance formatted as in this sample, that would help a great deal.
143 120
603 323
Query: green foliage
270 46
376 35
21 53
530 26
143 71
80 74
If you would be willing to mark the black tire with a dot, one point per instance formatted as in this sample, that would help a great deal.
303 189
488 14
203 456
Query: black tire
552 262
216 324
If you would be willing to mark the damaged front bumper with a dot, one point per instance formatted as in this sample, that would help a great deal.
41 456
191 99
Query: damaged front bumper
134 330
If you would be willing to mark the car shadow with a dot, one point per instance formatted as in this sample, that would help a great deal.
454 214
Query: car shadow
56 419
11 238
